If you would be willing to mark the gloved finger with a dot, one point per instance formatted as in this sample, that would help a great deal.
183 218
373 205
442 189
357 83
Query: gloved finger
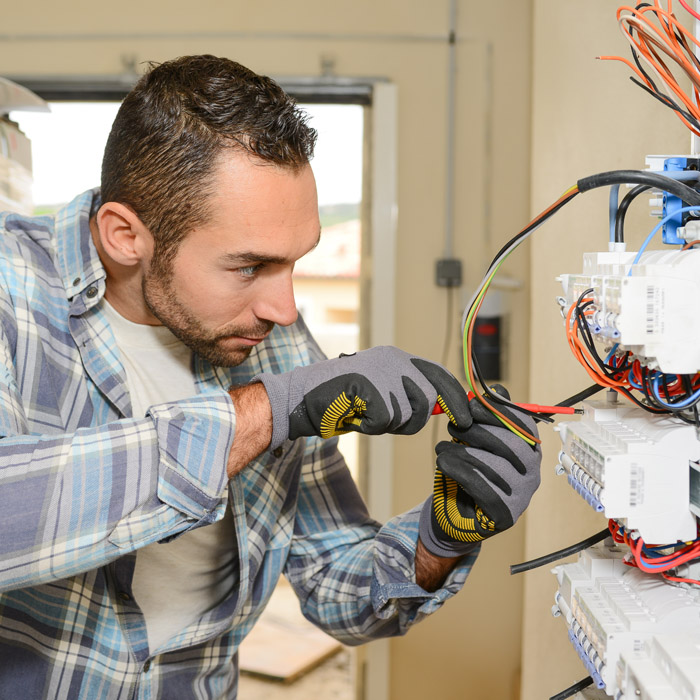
451 395
482 416
420 401
505 507
342 404
482 493
464 464
502 442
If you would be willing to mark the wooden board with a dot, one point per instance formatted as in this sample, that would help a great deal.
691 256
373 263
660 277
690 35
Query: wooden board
283 651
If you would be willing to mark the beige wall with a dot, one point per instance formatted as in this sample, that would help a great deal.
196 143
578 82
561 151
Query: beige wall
471 648
587 118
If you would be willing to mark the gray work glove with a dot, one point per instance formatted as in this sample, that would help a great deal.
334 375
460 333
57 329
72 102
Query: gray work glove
483 482
380 390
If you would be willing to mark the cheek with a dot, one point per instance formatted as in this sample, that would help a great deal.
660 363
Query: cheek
213 301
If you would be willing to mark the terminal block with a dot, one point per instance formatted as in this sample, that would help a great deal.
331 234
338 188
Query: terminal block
667 667
618 616
669 205
647 308
634 467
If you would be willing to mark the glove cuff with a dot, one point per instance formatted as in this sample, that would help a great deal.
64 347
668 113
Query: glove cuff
426 532
277 388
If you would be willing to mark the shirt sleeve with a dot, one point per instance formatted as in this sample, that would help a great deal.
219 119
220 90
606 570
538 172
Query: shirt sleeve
73 502
356 578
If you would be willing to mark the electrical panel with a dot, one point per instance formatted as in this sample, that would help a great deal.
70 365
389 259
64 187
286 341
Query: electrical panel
632 603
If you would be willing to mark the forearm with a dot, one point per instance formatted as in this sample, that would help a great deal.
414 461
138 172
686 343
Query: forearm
378 566
253 426
431 571
90 496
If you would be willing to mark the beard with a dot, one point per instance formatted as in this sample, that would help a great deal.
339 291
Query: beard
162 302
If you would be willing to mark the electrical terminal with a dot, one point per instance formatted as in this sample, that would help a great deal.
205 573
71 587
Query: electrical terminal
620 619
633 467
647 308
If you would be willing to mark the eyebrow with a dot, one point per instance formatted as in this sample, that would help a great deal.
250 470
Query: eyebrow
249 256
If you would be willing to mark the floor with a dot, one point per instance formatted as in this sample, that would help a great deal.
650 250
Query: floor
281 644
332 680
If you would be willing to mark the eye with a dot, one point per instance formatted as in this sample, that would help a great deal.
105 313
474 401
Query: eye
249 271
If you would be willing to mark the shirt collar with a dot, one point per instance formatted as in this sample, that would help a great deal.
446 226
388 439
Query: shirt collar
78 262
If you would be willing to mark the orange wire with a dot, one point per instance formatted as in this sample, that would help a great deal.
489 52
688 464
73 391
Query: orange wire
650 42
470 330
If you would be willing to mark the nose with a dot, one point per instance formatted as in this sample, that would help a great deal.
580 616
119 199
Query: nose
276 301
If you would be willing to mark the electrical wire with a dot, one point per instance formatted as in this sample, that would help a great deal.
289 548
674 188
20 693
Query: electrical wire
573 689
657 559
657 228
618 218
662 48
583 347
662 393
689 9
618 233
491 399
613 208
560 554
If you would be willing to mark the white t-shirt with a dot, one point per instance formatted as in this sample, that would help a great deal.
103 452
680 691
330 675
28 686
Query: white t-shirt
176 582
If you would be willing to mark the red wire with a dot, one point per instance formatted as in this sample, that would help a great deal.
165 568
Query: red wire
687 7
648 565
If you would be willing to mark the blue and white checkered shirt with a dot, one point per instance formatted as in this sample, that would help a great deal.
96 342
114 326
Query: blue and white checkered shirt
83 485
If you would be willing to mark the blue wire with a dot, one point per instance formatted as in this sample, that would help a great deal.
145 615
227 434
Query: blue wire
655 230
681 404
612 207
611 353
632 382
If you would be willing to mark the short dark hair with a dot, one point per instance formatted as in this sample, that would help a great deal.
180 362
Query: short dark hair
172 127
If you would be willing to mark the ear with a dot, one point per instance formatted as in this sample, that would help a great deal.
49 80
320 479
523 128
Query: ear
123 236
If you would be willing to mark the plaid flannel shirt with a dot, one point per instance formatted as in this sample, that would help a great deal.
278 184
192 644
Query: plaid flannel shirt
83 485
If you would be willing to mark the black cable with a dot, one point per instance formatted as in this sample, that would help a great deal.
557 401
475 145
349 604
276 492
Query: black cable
533 224
581 396
640 177
496 398
667 393
622 211
560 554
668 102
573 689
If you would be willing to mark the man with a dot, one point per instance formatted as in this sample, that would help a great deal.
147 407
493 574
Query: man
168 423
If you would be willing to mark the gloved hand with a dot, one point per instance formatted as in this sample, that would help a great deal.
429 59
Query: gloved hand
380 390
482 484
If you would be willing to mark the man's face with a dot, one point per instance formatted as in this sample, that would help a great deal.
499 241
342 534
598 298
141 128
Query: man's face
230 281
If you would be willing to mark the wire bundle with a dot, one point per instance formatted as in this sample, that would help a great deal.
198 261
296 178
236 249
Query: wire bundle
662 46
471 365
662 393
490 399
657 559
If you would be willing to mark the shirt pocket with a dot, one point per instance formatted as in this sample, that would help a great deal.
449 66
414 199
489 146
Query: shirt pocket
141 528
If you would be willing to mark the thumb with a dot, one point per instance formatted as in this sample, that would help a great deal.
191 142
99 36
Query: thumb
452 397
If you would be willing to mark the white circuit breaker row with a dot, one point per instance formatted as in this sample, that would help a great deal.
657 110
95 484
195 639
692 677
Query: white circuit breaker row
648 308
634 467
638 636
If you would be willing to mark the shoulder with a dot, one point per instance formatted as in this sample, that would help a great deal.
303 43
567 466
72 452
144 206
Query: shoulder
24 239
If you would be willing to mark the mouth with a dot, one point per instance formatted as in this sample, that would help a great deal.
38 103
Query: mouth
241 340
